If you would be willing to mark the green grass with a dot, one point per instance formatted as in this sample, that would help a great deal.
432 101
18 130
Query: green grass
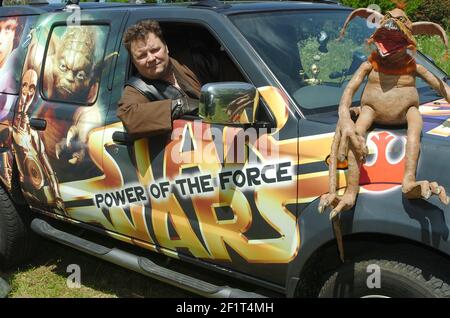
46 276
434 48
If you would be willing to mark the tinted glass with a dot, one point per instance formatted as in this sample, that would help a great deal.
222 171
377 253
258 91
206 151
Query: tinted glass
305 53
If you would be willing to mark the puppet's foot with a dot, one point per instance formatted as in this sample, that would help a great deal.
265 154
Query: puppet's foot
424 190
339 203
326 200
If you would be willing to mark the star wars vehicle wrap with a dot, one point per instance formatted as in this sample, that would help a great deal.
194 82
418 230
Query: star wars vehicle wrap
184 194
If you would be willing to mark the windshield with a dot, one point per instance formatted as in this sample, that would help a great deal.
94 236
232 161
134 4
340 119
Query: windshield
303 51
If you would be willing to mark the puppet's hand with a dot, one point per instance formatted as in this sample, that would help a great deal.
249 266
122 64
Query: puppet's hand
339 203
346 131
424 190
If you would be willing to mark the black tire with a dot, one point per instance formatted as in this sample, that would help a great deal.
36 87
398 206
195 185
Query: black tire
397 280
16 239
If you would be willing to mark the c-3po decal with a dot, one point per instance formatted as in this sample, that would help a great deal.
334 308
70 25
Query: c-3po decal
32 161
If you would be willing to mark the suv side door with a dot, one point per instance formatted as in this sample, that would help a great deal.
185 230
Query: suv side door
232 227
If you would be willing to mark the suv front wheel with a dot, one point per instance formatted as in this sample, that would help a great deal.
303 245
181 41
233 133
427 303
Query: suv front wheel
15 235
384 279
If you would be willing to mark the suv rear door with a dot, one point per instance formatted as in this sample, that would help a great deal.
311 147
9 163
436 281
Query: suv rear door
58 134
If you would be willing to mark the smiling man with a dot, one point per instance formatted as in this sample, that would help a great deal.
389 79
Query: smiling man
162 90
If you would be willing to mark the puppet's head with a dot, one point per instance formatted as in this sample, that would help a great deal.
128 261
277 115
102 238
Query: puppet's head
395 32
73 64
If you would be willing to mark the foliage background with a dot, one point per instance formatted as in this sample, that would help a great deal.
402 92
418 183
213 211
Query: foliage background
437 11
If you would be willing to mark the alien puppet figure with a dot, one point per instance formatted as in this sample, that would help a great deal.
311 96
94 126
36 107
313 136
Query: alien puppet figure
389 98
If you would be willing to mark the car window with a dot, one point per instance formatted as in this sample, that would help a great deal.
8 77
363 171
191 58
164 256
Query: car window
72 63
195 47
305 53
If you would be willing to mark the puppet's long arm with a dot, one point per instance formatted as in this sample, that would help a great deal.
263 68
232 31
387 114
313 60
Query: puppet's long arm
346 126
436 83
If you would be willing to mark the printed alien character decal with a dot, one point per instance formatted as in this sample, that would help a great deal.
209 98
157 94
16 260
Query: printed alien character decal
69 71
72 75
389 98
32 160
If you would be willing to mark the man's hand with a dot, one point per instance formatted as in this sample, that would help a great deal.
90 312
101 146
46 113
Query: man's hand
183 106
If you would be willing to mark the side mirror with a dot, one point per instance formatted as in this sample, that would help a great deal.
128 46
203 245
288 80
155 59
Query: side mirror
228 103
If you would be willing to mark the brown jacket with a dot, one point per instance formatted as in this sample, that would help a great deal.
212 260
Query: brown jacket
142 117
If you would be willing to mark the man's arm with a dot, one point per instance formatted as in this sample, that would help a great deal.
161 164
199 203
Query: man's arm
142 117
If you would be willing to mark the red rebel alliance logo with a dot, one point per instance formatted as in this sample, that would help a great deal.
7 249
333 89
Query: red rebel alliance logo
385 164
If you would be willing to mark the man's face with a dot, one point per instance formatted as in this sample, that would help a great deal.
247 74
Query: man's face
150 56
7 33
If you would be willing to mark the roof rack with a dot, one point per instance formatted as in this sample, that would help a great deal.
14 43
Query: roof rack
37 2
29 2
209 4
77 2
216 4
318 1
327 1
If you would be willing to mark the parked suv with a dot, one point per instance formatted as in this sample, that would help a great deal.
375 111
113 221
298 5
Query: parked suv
232 194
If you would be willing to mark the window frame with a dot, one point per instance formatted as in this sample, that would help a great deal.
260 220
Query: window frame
204 25
42 94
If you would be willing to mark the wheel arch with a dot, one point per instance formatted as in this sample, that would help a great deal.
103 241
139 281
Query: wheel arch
10 180
325 259
377 221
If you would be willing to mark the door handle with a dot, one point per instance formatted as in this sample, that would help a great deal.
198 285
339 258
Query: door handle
38 124
121 137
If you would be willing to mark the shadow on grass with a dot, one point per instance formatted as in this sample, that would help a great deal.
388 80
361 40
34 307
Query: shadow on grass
108 279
